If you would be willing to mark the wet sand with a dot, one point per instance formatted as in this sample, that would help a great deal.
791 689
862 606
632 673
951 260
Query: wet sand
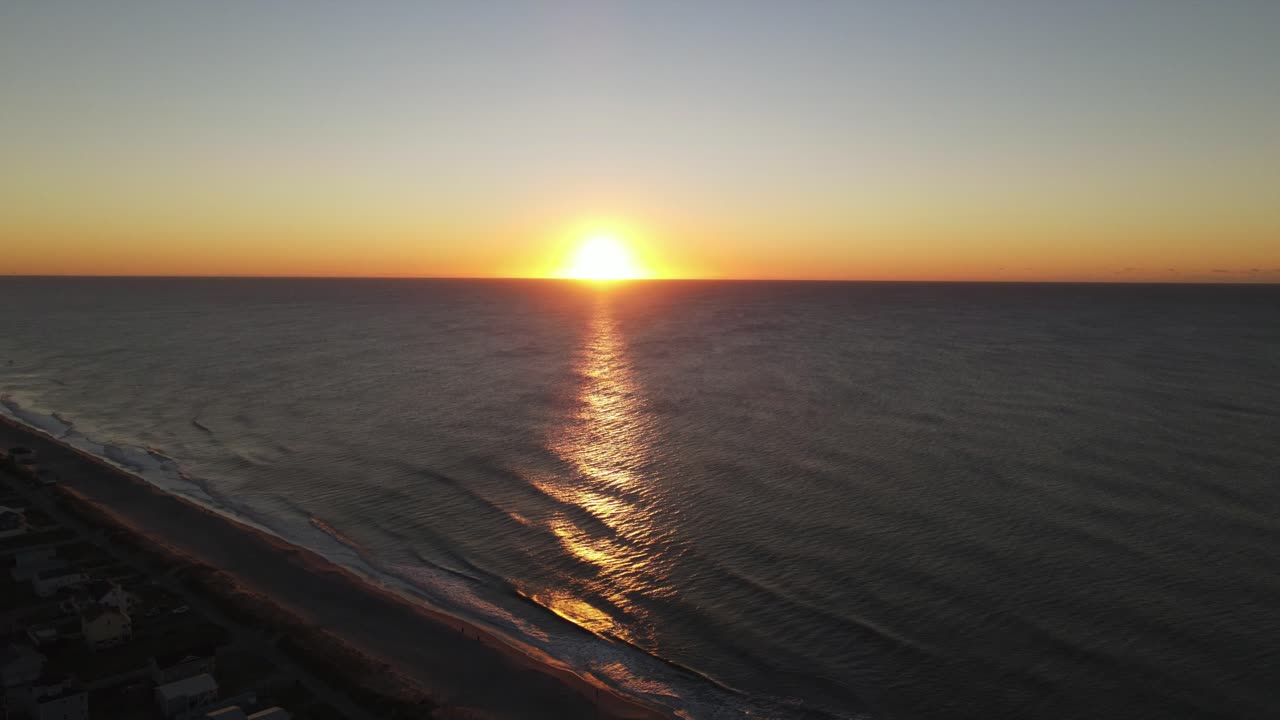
460 666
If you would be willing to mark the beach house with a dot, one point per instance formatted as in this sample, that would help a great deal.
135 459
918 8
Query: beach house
48 582
20 665
55 699
12 521
171 667
105 626
109 594
26 563
43 634
66 704
190 693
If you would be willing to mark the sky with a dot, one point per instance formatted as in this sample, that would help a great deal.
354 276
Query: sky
998 140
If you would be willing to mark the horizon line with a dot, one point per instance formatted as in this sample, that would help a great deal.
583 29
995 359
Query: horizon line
1242 281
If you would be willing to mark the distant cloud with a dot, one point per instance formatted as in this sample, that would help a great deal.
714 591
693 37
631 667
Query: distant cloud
1246 272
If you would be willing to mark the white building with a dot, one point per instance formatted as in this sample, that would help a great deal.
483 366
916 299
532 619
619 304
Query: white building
48 582
26 563
109 594
69 704
167 668
12 521
36 556
43 634
54 700
105 626
183 695
19 665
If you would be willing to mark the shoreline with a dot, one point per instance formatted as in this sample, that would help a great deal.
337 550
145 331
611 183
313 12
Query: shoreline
353 623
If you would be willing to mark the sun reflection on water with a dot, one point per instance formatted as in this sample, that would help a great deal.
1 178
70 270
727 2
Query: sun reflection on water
608 444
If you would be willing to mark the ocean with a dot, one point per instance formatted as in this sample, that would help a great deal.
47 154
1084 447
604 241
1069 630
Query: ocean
734 499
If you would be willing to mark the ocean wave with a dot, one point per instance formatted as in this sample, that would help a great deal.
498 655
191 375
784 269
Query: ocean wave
48 423
511 613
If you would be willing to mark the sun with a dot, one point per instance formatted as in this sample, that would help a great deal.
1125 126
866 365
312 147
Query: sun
603 256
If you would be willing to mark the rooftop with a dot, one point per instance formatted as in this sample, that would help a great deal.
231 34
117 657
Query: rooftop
47 573
93 612
15 651
64 691
178 657
197 685
46 631
44 551
99 588
51 682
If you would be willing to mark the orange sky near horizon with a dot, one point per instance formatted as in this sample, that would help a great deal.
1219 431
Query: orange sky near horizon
867 259
758 251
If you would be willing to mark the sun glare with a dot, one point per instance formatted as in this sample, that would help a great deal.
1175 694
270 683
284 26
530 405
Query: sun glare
603 256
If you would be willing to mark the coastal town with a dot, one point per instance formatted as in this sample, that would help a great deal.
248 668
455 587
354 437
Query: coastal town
121 600
96 627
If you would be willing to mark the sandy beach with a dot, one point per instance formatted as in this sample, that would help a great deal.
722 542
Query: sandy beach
461 667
